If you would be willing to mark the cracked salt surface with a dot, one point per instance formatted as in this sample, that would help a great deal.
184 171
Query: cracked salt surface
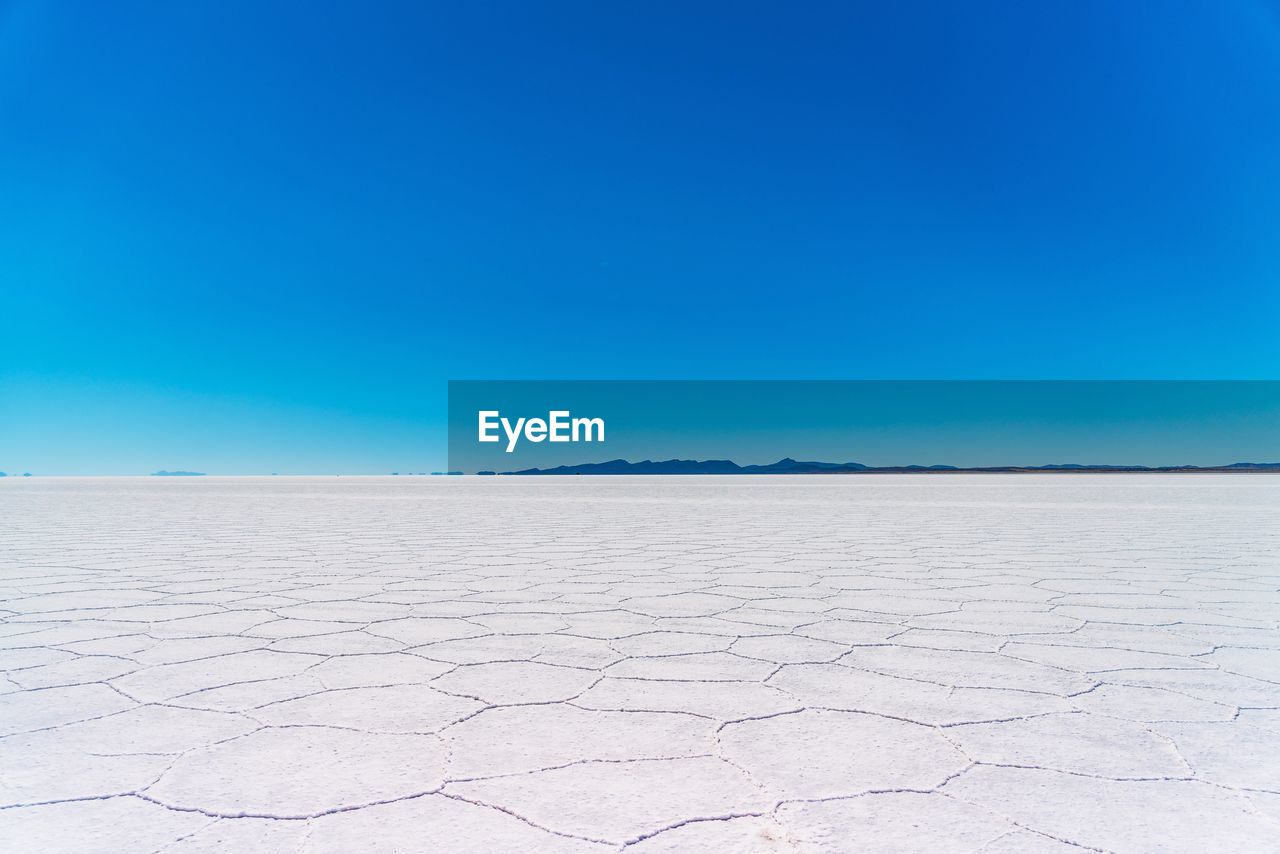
815 664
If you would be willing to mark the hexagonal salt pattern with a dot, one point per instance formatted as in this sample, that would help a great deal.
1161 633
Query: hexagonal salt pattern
815 664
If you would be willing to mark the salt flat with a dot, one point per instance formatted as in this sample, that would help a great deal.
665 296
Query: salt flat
852 663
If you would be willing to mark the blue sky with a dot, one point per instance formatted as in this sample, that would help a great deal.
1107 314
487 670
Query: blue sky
245 237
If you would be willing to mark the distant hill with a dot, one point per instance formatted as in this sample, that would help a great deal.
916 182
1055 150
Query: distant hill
790 466
163 473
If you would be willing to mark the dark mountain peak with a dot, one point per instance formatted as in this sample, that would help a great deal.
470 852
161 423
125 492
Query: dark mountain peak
787 465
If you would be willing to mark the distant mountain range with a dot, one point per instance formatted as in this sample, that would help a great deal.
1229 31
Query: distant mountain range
790 466
163 473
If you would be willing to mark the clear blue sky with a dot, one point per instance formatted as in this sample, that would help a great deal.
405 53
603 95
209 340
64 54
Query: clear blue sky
245 236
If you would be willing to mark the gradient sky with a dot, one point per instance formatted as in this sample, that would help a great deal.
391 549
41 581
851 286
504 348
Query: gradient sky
246 237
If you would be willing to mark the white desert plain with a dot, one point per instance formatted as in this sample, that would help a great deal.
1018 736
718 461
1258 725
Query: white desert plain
967 663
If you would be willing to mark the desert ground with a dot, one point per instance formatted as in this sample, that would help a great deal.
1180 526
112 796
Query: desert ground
968 663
